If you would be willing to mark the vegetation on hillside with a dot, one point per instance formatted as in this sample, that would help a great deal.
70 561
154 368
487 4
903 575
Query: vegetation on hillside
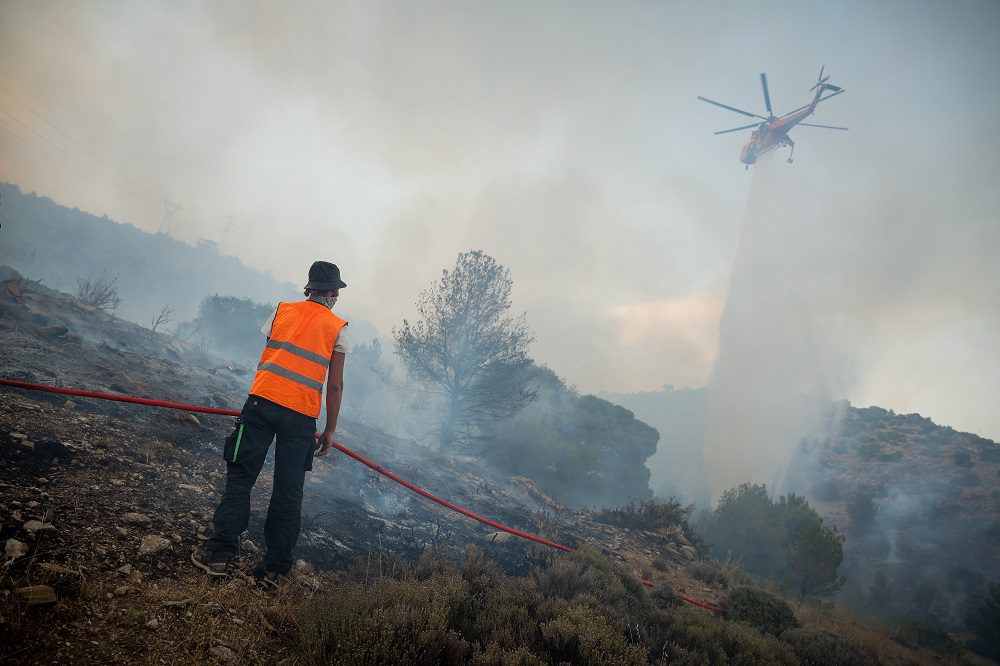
581 450
59 245
580 609
782 539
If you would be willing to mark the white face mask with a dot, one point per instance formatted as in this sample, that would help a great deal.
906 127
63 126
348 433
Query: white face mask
326 301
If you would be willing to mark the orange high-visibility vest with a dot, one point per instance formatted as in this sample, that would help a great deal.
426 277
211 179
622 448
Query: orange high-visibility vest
293 367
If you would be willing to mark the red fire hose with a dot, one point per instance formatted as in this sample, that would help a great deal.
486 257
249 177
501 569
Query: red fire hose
339 447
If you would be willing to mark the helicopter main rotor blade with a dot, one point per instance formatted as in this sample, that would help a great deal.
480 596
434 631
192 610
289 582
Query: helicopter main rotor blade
731 108
767 97
821 99
736 129
823 126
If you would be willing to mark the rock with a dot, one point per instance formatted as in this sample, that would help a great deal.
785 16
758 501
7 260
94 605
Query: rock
32 504
153 543
15 549
191 489
223 654
18 435
179 603
309 582
69 404
135 577
153 624
689 553
27 445
303 568
136 518
33 526
36 595
191 420
121 590
53 331
125 569
58 569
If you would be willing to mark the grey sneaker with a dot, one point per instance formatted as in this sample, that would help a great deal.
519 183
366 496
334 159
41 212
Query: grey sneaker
216 565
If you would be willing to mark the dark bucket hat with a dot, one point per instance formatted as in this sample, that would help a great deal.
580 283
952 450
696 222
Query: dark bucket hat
324 276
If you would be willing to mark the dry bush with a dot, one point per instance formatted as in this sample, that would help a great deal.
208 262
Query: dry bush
710 574
815 647
99 292
687 636
579 609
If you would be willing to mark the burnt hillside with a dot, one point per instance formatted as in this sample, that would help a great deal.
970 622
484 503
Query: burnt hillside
103 502
919 503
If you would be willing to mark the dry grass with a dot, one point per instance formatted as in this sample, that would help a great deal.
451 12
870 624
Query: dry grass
873 637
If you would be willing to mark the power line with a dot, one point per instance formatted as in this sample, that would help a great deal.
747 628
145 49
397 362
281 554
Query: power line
113 171
83 172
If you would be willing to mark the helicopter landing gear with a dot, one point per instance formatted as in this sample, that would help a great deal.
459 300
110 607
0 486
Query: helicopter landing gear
791 143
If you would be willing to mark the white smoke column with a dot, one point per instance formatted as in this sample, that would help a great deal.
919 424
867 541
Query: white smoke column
778 351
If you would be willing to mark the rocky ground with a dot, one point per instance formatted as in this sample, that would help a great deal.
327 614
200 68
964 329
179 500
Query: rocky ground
101 504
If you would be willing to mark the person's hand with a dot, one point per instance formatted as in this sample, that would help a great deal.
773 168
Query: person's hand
324 443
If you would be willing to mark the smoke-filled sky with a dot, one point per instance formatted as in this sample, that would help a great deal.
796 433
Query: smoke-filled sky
565 140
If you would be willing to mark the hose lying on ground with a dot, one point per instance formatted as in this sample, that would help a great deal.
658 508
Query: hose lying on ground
339 447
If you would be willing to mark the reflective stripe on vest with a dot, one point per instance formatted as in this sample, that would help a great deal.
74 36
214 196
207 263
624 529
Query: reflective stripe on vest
295 360
292 375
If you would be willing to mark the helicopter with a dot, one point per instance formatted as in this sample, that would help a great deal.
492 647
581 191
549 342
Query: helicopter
773 132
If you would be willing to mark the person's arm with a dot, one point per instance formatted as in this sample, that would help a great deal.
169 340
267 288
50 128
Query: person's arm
334 392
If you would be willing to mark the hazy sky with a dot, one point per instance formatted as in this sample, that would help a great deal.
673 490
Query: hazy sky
564 139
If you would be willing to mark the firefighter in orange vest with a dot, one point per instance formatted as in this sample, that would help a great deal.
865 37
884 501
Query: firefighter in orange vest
306 346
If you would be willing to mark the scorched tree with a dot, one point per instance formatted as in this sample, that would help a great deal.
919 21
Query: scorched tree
468 347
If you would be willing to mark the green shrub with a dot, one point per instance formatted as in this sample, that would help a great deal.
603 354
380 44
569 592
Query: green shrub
579 633
580 609
586 571
783 539
664 596
687 636
494 655
496 610
984 621
763 611
709 574
387 622
654 515
962 458
434 560
915 633
814 647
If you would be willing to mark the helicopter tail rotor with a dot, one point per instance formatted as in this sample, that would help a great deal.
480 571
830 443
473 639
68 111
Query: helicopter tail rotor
821 82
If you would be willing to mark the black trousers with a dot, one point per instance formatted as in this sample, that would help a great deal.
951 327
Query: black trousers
245 450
